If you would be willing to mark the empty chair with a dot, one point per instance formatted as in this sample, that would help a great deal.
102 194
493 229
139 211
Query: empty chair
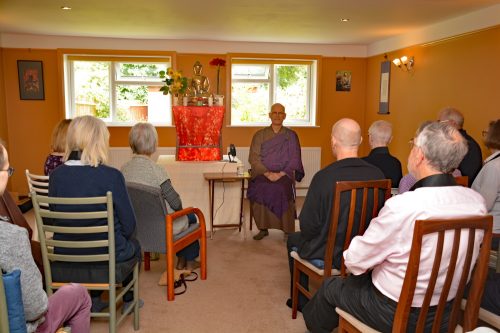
453 228
366 198
96 271
155 229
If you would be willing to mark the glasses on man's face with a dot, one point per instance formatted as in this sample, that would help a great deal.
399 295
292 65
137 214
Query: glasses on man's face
412 143
485 133
278 114
9 171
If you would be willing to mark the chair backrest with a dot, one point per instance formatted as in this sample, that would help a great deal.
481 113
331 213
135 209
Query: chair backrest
4 317
150 211
79 213
438 228
365 200
38 183
462 180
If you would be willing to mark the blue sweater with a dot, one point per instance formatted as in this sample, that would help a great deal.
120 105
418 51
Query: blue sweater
87 181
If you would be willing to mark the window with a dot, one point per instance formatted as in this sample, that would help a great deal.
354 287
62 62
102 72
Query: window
119 90
256 84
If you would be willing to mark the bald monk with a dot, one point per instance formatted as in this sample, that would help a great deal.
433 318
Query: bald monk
314 217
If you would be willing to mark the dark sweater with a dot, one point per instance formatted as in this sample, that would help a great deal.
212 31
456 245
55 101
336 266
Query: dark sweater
473 160
388 164
315 214
87 181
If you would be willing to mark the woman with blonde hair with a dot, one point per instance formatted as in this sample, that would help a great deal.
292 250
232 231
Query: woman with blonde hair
58 147
85 174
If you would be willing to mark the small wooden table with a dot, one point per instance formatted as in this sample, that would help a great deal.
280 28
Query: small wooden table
212 178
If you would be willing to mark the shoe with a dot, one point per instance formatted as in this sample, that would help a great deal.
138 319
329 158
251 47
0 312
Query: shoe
181 263
263 233
289 304
126 305
192 265
154 256
98 305
163 279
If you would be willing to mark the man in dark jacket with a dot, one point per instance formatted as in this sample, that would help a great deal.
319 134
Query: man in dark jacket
473 160
380 135
314 217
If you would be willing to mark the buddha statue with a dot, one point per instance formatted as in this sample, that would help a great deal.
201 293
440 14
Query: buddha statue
199 86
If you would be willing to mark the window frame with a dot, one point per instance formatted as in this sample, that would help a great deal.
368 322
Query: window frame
313 62
115 58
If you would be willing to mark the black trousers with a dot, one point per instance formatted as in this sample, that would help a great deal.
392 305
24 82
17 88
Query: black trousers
358 296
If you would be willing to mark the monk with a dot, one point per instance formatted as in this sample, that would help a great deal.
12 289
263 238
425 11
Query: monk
276 165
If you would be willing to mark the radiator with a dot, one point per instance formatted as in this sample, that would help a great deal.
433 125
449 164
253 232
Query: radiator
311 159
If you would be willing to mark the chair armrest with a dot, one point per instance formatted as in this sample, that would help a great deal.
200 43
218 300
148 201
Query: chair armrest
175 215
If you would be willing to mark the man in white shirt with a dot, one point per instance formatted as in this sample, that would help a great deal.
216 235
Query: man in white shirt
379 258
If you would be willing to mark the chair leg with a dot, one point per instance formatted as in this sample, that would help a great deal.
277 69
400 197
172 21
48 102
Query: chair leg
112 310
147 261
295 291
203 255
251 214
136 297
170 276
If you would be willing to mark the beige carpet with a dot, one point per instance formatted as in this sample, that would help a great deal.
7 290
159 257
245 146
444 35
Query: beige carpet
246 290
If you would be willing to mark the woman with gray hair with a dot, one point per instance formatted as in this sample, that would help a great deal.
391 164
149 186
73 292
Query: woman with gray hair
143 139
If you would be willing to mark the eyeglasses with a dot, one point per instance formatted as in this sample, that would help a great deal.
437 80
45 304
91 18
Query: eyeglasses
485 133
10 171
412 143
277 113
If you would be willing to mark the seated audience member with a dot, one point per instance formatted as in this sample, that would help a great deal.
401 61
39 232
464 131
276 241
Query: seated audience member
380 135
473 160
408 180
378 259
276 164
85 174
58 147
310 242
70 305
143 139
487 182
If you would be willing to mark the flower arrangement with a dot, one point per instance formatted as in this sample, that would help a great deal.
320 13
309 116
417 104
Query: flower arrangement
219 63
175 83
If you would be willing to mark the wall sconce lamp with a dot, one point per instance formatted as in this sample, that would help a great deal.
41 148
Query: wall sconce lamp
404 61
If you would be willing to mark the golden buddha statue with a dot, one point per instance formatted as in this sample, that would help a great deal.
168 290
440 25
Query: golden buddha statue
200 85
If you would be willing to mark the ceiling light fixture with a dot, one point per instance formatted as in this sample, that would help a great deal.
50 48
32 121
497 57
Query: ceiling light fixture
344 20
405 63
65 7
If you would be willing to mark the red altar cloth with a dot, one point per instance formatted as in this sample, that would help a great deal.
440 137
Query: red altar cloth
198 132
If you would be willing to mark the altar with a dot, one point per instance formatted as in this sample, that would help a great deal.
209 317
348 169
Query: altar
198 130
188 180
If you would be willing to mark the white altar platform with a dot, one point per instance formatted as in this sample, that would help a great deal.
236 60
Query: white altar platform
187 179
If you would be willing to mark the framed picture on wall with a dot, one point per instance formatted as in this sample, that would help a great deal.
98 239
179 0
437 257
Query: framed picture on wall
30 73
343 81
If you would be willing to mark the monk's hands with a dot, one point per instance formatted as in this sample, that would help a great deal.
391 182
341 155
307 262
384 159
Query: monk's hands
274 176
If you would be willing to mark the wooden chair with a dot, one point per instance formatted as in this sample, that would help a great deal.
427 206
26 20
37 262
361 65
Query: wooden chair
4 317
365 200
438 227
155 230
462 181
95 272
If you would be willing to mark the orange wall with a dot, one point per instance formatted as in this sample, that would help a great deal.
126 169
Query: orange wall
463 72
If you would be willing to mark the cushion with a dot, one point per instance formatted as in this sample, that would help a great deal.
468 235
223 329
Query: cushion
14 298
93 272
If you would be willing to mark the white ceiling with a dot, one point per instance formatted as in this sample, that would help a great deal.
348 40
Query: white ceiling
283 21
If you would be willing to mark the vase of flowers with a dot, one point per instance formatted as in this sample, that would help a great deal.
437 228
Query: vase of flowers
219 63
174 83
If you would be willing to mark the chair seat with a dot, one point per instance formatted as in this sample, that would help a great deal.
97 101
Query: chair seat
90 272
358 324
192 227
311 266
